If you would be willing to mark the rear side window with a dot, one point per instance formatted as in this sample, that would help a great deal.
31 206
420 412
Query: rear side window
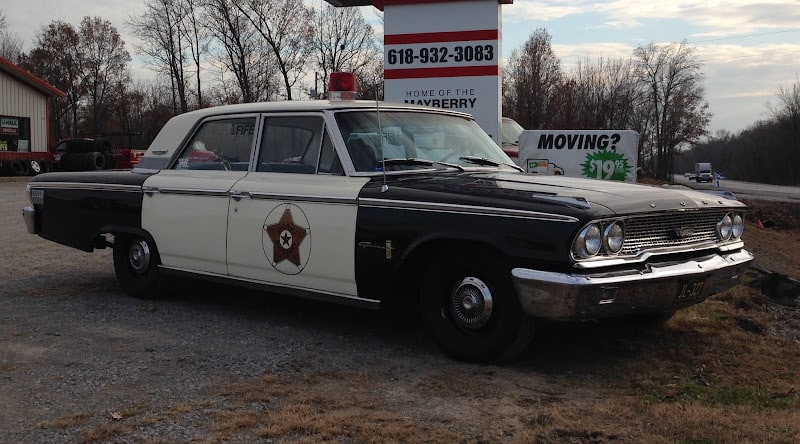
224 144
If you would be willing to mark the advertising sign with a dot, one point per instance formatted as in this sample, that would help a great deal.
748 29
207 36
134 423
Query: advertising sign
601 154
450 64
9 126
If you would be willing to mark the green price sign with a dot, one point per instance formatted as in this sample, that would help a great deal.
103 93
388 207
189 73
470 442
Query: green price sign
606 165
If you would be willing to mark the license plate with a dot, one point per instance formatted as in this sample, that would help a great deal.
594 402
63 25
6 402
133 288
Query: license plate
689 290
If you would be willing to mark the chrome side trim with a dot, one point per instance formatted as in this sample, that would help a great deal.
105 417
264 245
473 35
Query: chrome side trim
463 209
328 296
188 191
86 186
305 198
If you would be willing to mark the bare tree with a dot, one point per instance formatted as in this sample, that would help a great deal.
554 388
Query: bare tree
197 37
58 58
609 93
243 52
787 114
286 26
533 74
105 66
159 29
675 97
10 44
343 41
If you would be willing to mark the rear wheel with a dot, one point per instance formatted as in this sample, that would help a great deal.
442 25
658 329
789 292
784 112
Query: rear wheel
136 266
471 309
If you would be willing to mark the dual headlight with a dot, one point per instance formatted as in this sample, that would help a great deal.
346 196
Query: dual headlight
607 237
730 227
596 237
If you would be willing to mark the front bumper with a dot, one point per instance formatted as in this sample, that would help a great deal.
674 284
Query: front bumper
661 287
29 214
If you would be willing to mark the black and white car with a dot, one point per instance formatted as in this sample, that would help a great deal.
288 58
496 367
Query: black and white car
342 201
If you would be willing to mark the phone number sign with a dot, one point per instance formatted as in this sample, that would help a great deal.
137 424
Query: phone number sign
452 64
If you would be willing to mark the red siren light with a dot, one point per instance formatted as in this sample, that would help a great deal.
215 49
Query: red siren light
342 86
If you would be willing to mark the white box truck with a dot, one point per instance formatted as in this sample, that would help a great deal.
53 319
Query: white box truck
703 172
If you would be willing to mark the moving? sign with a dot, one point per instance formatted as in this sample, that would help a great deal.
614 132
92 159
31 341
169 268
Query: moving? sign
596 154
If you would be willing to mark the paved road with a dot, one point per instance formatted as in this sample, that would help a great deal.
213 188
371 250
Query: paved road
747 189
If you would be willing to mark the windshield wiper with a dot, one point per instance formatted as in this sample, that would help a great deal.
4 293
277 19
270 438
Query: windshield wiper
418 161
490 162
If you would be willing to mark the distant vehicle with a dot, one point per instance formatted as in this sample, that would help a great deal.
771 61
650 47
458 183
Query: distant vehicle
509 133
721 176
689 175
703 172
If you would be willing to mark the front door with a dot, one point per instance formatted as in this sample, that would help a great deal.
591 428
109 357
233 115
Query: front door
292 220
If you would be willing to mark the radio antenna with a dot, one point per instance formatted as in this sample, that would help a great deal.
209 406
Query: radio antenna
385 186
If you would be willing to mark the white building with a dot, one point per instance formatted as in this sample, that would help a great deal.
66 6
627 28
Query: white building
24 120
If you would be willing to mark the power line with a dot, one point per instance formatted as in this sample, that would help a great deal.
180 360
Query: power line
745 36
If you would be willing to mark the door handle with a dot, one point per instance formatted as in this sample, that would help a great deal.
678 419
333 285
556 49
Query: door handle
239 195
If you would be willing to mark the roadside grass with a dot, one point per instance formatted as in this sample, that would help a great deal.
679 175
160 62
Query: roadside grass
700 378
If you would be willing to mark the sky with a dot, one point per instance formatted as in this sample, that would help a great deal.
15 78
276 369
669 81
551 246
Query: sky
748 49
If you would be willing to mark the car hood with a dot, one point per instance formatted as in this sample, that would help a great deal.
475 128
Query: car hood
568 195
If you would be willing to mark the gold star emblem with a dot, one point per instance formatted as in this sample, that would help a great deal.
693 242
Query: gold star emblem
286 237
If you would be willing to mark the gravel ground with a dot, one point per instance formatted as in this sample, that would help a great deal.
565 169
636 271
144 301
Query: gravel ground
71 343
82 362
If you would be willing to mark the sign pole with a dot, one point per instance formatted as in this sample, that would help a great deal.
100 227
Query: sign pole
445 54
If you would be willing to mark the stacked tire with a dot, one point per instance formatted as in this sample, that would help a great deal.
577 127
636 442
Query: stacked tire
19 168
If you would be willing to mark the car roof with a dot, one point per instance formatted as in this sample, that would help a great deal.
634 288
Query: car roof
309 105
168 140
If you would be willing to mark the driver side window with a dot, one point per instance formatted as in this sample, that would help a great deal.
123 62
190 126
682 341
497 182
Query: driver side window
223 144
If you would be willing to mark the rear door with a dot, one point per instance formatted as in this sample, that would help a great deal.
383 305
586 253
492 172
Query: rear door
185 208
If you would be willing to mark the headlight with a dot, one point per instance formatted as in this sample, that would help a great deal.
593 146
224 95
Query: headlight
614 237
588 242
725 227
738 226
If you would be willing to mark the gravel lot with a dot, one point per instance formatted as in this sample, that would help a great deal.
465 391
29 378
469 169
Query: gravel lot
72 343
82 362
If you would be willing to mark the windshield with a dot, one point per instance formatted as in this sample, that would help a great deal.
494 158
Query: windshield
510 131
439 138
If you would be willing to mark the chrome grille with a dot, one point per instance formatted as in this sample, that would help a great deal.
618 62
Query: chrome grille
661 230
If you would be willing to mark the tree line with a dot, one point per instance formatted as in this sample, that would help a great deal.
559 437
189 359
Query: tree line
658 92
768 151
206 52
213 52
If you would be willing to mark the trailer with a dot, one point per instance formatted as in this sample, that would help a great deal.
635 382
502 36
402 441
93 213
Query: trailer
25 163
77 154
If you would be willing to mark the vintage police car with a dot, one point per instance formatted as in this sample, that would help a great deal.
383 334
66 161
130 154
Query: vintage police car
348 202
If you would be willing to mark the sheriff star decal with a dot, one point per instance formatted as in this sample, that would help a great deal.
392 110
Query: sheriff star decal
287 239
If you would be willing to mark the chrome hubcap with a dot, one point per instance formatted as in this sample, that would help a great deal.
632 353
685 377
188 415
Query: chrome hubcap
139 257
471 303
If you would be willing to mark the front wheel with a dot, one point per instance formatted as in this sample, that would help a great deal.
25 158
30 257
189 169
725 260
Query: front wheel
136 266
471 309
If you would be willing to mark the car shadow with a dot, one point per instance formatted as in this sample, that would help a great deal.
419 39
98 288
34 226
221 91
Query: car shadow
585 347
